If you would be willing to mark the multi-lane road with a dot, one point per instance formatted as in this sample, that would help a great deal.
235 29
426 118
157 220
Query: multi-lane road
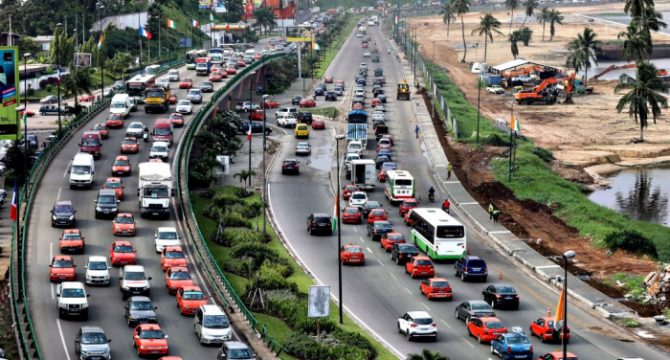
377 293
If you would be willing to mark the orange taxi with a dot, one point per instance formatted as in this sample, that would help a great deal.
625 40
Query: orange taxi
352 254
114 121
62 268
351 215
189 299
102 129
122 253
420 266
436 288
124 225
116 184
177 277
177 119
121 166
557 355
71 241
391 238
130 145
215 76
377 215
349 189
173 256
149 339
271 104
485 329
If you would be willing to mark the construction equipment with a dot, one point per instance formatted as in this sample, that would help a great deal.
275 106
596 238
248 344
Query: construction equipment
546 93
403 91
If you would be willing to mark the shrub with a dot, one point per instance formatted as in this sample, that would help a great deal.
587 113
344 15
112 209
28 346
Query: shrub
543 154
304 347
273 276
48 87
632 241
525 35
240 235
247 210
356 340
234 219
225 198
258 252
496 140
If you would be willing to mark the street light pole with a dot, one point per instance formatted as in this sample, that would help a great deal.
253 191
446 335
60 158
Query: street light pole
100 7
265 180
339 223
60 126
566 256
25 122
251 85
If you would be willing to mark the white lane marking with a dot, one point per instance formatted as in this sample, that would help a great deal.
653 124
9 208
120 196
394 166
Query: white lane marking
500 232
467 342
62 339
394 277
469 203
380 262
58 195
445 323
406 289
67 168
362 240
369 250
426 306
547 266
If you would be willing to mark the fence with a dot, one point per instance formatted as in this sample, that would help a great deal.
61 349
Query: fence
213 271
28 345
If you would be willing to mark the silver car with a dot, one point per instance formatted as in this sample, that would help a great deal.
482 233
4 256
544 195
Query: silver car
195 95
206 87
92 343
303 148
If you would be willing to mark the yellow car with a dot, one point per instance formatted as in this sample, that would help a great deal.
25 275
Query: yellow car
302 131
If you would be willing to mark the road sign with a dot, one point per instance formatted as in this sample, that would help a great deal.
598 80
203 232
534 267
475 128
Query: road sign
318 302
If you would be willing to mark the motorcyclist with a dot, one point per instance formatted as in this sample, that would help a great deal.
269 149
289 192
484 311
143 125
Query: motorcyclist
145 134
431 194
446 205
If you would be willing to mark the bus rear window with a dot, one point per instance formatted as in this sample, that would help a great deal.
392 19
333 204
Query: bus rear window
450 232
403 182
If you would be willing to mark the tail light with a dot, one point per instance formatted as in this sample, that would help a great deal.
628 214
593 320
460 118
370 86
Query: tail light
448 290
509 350
413 325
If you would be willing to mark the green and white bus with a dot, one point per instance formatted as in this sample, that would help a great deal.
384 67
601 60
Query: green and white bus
399 185
438 234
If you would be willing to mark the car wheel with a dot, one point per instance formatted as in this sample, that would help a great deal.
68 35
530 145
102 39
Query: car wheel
408 335
493 304
492 351
479 339
399 329
542 339
458 317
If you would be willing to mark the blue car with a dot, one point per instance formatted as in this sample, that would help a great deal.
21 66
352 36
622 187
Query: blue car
513 345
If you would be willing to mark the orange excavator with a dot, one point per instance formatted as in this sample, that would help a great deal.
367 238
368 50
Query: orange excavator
545 93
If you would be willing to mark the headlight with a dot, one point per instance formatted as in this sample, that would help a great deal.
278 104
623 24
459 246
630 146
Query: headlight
98 208
62 305
124 287
84 305
54 218
71 217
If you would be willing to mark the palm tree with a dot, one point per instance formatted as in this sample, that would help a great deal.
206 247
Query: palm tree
512 5
635 8
427 355
583 51
76 83
646 93
487 26
544 18
265 18
530 6
650 20
635 45
514 47
555 17
461 7
448 15
245 175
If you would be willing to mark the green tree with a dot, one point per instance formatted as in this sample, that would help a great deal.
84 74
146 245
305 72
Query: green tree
235 10
460 8
61 48
427 355
156 18
543 18
514 46
27 45
265 18
245 175
76 83
555 17
488 25
121 62
635 8
583 51
530 6
512 5
448 15
650 20
635 45
646 96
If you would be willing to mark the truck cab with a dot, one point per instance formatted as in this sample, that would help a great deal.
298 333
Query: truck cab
155 189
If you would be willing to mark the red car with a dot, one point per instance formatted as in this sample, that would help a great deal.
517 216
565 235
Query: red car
420 266
231 70
318 124
102 129
177 119
177 277
116 184
348 189
256 115
172 99
189 299
382 175
557 355
377 215
339 82
114 121
328 80
87 98
215 76
124 224
149 339
29 113
407 205
409 222
130 145
351 215
62 268
485 329
122 253
173 256
71 241
121 166
186 83
391 238
544 329
241 63
304 103
436 288
352 254
357 106
271 104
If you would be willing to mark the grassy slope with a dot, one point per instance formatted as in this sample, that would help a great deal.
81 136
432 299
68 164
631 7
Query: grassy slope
275 326
535 180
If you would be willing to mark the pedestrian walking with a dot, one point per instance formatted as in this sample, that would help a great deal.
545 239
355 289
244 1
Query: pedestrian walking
496 213
449 170
416 130
491 210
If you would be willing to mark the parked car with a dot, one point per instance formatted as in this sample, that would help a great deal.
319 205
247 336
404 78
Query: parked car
495 89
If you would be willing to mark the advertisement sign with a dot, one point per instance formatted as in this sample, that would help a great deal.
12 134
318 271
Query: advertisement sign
9 80
205 4
298 34
318 302
82 60
219 6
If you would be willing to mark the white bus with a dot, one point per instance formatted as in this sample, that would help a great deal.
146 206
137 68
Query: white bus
399 185
437 234
151 69
138 84
216 56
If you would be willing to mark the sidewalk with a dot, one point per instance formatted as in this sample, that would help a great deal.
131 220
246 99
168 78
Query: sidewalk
478 217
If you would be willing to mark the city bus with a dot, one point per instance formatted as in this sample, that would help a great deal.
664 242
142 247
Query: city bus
216 56
438 234
194 54
138 84
399 185
151 69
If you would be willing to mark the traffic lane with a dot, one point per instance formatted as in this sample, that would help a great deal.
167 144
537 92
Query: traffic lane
95 232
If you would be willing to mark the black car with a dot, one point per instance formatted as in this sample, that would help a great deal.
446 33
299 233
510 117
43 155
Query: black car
62 214
377 91
256 128
473 308
106 205
53 110
290 166
382 98
501 295
296 100
368 206
361 81
140 310
380 160
319 223
379 72
378 228
378 82
319 91
207 87
330 96
305 117
402 252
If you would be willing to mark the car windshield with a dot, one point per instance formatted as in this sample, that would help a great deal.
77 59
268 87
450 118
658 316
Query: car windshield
424 263
322 220
73 293
118 105
407 248
480 306
158 148
93 338
71 236
396 237
163 131
136 126
151 334
113 185
180 275
495 325
120 162
353 249
141 305
358 196
155 93
239 354
505 290
90 142
134 275
167 235
129 142
62 264
517 340
423 321
124 220
156 192
372 204
123 249
107 200
216 322
174 255
184 102
81 169
193 295
382 225
97 265
476 263
377 213
95 127
194 92
351 210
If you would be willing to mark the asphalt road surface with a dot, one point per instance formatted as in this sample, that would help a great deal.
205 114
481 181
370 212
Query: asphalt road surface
377 293
56 336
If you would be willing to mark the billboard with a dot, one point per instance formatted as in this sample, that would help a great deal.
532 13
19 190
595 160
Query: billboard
9 81
82 60
298 34
220 6
205 4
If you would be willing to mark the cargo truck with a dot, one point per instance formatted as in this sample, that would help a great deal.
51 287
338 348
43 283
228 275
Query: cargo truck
363 174
155 189
157 99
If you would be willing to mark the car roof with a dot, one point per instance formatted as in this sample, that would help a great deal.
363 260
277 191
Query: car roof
97 258
212 309
139 298
64 202
123 242
419 315
236 345
72 284
321 215
166 229
472 257
478 302
489 319
133 268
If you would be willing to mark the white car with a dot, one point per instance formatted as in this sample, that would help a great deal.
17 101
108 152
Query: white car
355 146
165 236
380 108
378 116
359 92
159 150
366 54
363 66
495 89
97 270
417 324
349 157
135 129
286 111
184 106
71 299
163 81
358 198
173 75
287 120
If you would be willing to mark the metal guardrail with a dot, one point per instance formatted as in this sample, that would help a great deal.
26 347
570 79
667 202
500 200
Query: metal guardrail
28 345
216 275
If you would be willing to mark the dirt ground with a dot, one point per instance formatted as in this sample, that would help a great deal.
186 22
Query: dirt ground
588 133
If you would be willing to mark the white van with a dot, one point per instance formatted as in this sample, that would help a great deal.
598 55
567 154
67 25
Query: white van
82 170
250 53
173 75
211 325
151 69
120 105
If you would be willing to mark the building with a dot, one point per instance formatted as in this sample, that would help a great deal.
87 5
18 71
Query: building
4 38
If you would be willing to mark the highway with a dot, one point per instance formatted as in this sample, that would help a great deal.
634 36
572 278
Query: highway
377 293
56 336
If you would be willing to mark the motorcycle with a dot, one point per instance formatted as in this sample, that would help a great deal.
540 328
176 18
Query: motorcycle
145 136
431 197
